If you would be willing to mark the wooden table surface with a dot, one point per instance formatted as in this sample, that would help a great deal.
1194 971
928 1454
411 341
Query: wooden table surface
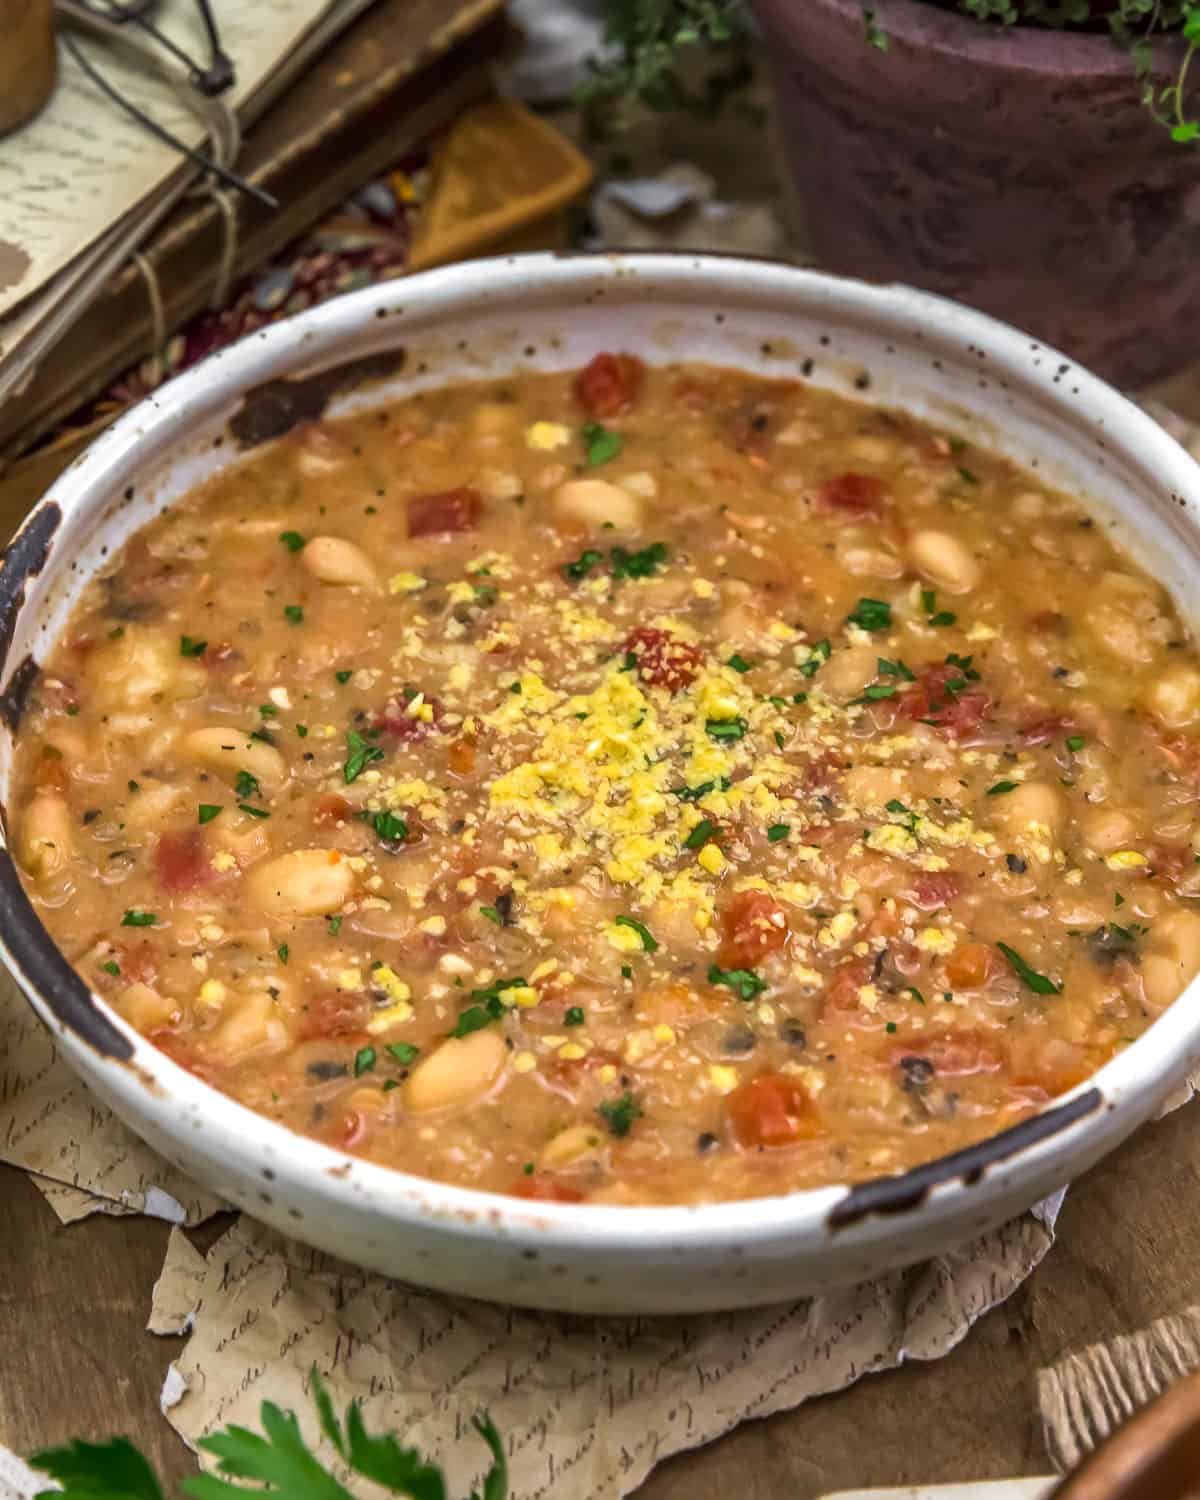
75 1359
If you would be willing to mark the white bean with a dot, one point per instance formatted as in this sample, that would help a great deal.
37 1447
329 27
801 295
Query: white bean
251 1021
1174 696
45 838
598 503
232 750
572 1145
1172 959
140 666
873 787
304 883
332 559
1107 828
1033 806
461 1072
944 560
848 671
143 1007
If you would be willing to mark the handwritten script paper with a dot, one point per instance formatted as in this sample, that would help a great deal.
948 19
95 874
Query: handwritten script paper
82 164
587 1406
84 1160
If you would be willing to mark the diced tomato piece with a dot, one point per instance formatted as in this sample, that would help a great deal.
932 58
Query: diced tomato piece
662 660
544 1189
953 1054
1049 622
444 513
853 497
1046 730
1057 1066
461 756
334 1013
841 992
609 384
771 1110
138 963
932 892
182 1050
753 924
954 714
401 724
329 810
181 860
971 965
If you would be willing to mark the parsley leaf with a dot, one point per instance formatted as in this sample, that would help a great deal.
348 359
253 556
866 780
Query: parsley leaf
476 1017
943 617
743 982
574 1016
254 812
206 812
293 613
139 919
726 729
292 540
641 564
778 831
334 925
893 669
967 476
111 968
583 564
619 1114
282 952
1038 983
1075 742
739 663
871 614
1001 787
403 1052
700 835
190 647
649 943
818 655
694 793
601 444
359 755
364 1061
108 1471
245 785
344 676
911 989
389 829
492 915
876 691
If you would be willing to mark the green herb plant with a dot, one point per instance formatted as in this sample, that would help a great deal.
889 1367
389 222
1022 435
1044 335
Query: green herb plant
276 1462
652 38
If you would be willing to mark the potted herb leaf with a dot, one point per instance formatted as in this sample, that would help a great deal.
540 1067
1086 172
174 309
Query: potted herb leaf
1039 159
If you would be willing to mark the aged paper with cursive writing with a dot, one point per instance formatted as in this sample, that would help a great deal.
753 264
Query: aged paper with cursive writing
587 1406
82 164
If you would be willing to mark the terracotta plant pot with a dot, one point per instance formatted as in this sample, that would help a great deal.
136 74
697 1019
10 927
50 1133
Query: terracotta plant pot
1013 168
1155 1456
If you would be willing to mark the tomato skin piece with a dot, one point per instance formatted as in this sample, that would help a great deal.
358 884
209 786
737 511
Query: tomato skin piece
1046 730
445 512
931 892
852 497
753 924
609 384
662 659
537 1187
841 992
333 1013
769 1111
181 860
953 715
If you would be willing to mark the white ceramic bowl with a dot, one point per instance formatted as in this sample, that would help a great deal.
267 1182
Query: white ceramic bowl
542 312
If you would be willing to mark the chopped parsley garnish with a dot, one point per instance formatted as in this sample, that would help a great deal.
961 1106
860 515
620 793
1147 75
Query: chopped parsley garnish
893 669
778 831
292 540
694 793
871 614
488 1007
246 785
776 702
293 613
726 729
492 915
1038 983
928 600
619 1114
779 740
896 806
389 829
963 663
641 564
1075 742
302 731
818 655
743 982
700 835
739 663
626 972
583 564
344 676
875 692
359 755
965 474
138 919
364 1061
911 989
1001 787
943 617
649 943
111 968
268 711
282 952
403 1052
574 1016
132 785
190 647
936 616
601 444
630 662
206 812
334 924
255 812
